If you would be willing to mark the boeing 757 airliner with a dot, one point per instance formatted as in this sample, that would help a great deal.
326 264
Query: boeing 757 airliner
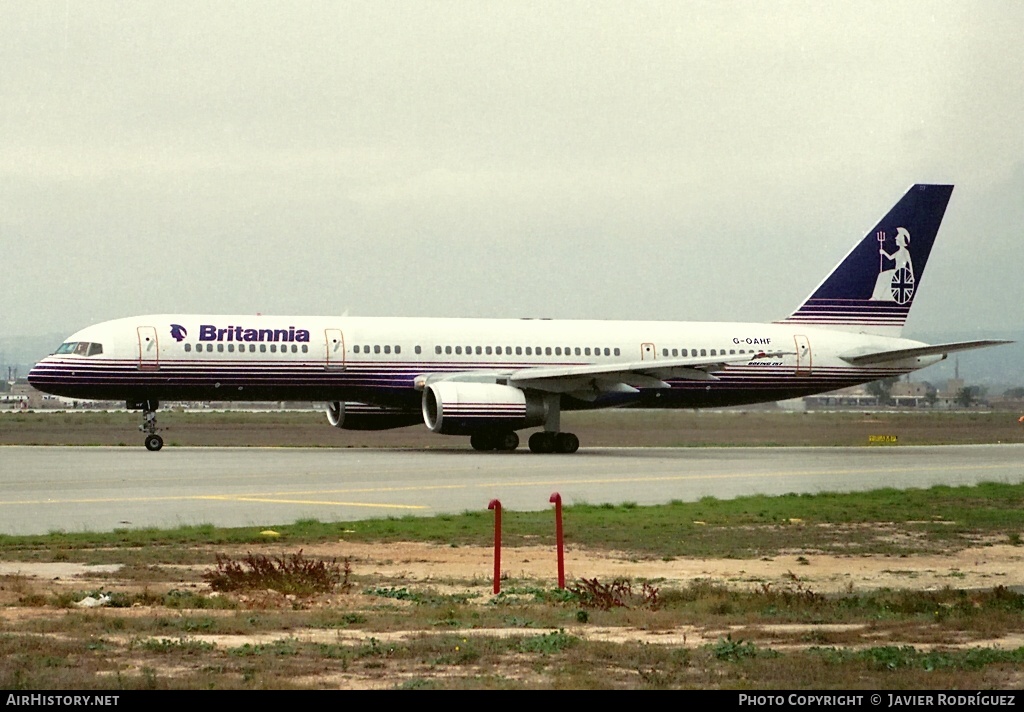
488 378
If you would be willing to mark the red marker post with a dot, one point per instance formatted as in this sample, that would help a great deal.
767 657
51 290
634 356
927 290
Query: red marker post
556 499
496 506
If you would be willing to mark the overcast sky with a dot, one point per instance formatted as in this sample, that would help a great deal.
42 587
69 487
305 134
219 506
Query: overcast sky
662 160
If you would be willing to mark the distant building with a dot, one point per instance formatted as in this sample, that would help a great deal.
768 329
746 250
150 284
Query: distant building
854 396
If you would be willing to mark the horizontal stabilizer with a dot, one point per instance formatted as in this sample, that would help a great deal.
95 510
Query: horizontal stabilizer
900 354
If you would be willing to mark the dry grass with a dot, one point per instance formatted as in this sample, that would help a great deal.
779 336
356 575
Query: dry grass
402 625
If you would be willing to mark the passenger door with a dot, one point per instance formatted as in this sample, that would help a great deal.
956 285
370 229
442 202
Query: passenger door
334 345
803 355
149 349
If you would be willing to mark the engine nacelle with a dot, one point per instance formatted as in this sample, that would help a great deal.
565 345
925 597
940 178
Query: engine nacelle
464 408
359 416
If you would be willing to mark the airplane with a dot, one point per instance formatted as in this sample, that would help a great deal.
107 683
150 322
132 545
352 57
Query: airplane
489 378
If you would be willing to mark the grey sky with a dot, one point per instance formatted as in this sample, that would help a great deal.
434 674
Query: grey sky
676 160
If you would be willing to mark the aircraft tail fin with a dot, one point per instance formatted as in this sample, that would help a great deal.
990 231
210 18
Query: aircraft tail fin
872 289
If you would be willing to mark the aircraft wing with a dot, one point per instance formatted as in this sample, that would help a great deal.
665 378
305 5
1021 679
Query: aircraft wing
865 359
587 382
591 380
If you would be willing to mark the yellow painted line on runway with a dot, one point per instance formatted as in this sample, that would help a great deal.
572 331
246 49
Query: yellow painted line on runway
268 499
278 500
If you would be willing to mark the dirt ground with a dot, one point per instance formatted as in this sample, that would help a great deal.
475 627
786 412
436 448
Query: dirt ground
439 565
448 569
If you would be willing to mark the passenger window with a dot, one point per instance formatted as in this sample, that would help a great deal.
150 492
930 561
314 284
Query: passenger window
519 350
558 351
487 350
305 348
418 349
376 348
607 351
263 348
398 349
618 352
437 350
231 348
355 349
732 351
220 348
448 350
713 352
577 350
188 348
273 348
387 348
703 352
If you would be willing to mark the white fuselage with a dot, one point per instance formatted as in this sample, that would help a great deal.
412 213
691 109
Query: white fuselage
378 360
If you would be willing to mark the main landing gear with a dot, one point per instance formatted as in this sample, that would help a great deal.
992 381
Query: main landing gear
545 442
548 441
148 407
483 441
551 439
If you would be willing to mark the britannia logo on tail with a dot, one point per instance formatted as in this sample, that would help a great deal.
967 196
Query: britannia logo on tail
895 284
178 332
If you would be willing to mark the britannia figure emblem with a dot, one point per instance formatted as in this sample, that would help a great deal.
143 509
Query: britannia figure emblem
895 284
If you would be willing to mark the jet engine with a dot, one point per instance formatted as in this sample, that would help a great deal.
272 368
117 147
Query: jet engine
359 416
464 408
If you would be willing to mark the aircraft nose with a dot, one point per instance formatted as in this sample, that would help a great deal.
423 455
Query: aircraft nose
33 375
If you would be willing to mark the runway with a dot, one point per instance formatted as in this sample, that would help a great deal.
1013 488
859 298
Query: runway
71 489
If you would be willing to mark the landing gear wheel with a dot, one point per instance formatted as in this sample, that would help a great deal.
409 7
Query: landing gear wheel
542 442
566 443
482 441
494 441
507 441
546 442
153 441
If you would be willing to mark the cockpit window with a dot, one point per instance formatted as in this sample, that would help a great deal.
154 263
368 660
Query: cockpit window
80 348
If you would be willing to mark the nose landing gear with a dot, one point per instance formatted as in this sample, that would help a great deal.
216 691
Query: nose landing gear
148 407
